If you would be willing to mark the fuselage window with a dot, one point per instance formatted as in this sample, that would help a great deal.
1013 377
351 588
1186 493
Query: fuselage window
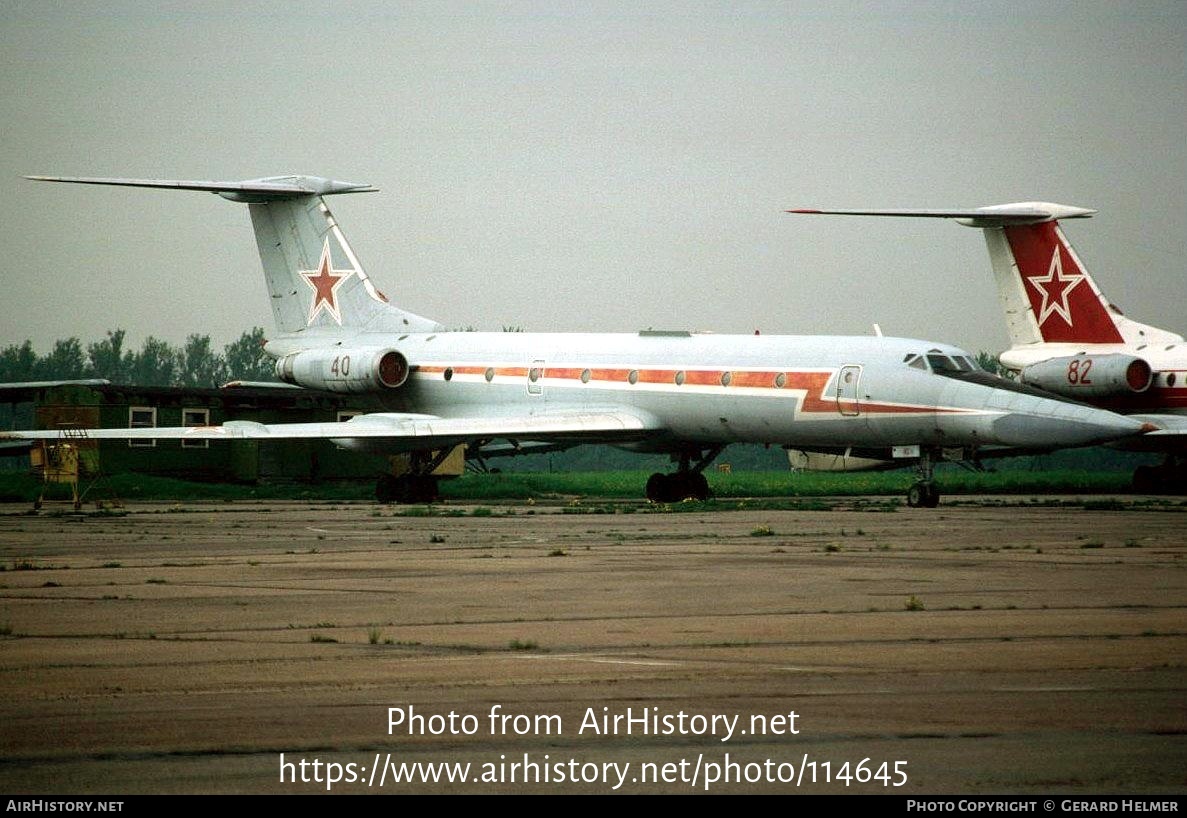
534 374
780 380
449 373
679 378
585 375
1170 379
490 374
633 377
725 378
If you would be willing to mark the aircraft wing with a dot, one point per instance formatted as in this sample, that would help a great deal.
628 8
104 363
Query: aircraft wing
401 432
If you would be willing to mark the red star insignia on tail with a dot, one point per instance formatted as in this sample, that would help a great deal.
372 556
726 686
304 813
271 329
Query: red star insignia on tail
325 281
1055 288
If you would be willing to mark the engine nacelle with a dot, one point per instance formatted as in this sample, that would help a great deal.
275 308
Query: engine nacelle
1091 376
345 370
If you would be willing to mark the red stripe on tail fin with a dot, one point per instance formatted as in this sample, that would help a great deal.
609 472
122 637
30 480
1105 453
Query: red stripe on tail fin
1066 304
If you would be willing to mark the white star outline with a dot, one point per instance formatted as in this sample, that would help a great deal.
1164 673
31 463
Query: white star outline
325 267
1055 273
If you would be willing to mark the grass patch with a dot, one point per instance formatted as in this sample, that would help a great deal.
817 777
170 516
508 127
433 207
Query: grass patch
529 644
557 552
320 639
156 581
374 635
552 486
763 531
1092 544
914 603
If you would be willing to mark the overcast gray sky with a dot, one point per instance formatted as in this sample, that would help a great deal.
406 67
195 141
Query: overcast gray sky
590 166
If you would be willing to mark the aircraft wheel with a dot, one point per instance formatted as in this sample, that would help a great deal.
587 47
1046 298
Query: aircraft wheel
657 488
1145 480
698 486
923 495
931 497
425 488
385 489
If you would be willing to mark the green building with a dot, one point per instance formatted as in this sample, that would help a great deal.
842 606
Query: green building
98 404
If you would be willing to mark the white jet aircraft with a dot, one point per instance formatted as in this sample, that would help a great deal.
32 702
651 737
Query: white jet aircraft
686 394
1068 339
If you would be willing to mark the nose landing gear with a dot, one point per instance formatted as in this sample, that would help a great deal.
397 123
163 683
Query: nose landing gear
924 493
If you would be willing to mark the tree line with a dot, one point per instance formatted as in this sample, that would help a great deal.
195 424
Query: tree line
157 363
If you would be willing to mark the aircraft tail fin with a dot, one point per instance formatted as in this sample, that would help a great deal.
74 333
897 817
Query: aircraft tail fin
1046 291
314 278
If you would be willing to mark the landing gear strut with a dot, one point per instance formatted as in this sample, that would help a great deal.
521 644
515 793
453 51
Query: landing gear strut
688 483
417 485
924 493
1169 477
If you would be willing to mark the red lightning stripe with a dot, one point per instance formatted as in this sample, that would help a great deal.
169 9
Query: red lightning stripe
811 383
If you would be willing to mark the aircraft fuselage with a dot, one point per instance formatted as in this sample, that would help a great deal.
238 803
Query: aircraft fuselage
717 389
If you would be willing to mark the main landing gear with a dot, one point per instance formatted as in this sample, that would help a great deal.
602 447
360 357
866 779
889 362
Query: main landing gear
417 485
407 488
924 493
688 482
1169 477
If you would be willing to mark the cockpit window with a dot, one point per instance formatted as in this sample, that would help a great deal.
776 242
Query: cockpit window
916 361
965 364
942 364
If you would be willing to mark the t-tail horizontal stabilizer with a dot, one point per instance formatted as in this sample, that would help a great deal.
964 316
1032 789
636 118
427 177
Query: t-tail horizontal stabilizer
993 216
267 189
315 282
1047 293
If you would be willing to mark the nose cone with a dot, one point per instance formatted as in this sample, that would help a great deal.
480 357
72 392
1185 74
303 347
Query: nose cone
1061 425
